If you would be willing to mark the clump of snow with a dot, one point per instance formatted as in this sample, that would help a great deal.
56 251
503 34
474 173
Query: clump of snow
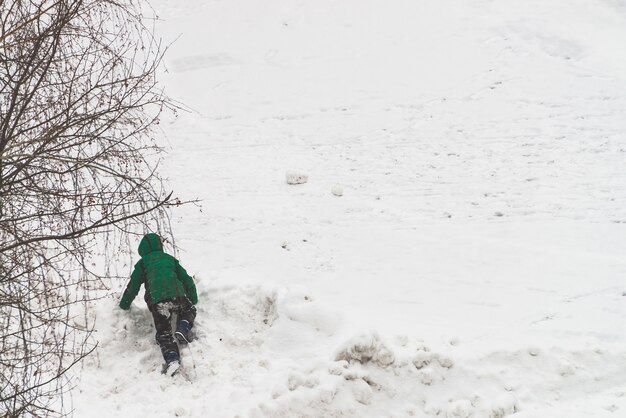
295 177
424 357
365 348
459 409
337 190
419 382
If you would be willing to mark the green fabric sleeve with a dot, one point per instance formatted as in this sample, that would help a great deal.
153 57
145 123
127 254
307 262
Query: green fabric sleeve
188 284
136 278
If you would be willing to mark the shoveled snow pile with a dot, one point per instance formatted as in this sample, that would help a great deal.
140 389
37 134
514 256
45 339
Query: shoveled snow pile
475 269
267 352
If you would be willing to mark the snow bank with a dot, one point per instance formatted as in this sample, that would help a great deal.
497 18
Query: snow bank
267 352
373 378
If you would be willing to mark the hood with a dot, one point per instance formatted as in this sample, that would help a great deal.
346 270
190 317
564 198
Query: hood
149 243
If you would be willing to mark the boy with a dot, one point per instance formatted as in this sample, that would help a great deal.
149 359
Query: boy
169 289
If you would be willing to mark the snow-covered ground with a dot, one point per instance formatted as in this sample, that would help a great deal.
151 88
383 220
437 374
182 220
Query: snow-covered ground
459 248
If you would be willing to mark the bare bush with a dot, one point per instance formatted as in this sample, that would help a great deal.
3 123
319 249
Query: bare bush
78 99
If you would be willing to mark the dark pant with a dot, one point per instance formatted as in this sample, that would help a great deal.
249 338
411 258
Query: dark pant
162 314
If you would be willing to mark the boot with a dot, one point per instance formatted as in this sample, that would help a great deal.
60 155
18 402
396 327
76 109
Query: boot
183 332
172 363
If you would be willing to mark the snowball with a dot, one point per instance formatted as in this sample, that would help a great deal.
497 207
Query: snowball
337 190
294 177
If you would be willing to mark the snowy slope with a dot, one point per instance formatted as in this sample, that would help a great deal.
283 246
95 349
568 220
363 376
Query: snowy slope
475 264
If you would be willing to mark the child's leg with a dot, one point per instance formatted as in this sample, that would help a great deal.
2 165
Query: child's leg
162 315
186 318
187 312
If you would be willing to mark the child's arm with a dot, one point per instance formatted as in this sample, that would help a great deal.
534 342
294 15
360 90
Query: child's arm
136 278
188 284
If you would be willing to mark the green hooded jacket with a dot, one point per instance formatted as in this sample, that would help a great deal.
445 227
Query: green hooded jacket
161 273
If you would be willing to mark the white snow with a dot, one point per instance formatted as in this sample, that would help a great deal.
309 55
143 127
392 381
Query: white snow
477 266
337 190
295 177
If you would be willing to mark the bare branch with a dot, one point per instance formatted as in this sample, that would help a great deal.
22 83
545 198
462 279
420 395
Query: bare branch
79 107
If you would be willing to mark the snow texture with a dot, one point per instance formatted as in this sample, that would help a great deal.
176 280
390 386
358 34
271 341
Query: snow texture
476 268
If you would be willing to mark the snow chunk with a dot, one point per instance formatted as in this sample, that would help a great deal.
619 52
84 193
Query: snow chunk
362 392
366 348
337 190
294 177
459 409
